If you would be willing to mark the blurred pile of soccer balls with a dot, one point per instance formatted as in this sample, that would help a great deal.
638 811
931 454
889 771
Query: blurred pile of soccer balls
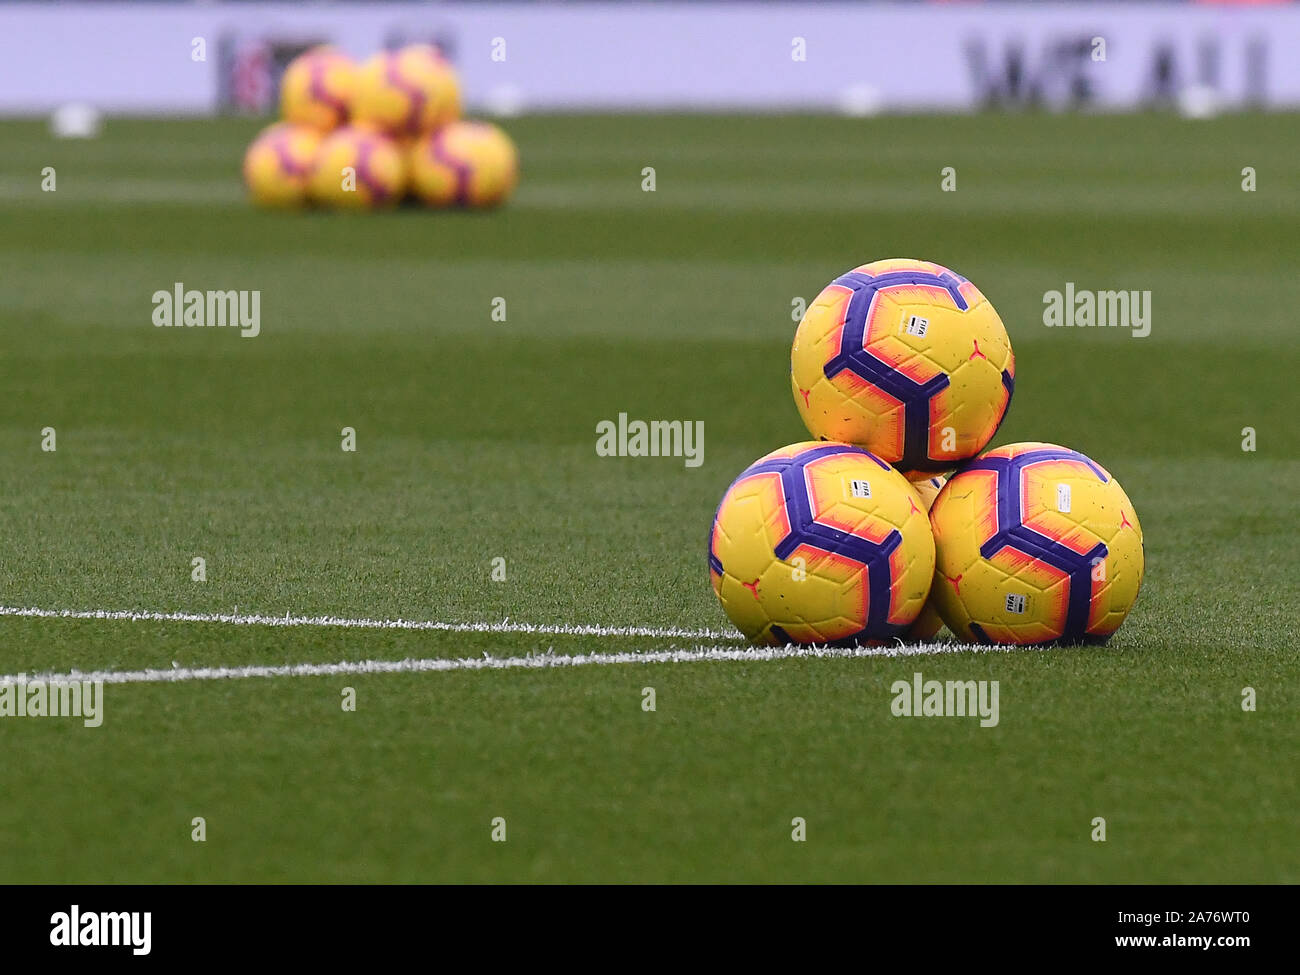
903 371
373 134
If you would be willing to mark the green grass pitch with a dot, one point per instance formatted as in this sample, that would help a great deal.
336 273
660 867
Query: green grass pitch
476 440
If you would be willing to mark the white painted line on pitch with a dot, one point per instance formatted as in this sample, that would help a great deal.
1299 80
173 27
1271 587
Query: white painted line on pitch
246 619
534 661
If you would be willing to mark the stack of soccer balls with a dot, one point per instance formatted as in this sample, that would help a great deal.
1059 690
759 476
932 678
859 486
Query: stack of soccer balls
903 372
368 135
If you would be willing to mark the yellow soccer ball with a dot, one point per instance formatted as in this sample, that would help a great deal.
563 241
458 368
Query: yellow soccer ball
907 359
821 543
929 488
464 164
317 88
279 163
1036 544
358 168
408 91
929 623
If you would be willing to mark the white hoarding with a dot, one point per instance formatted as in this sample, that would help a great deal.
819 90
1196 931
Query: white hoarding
141 58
